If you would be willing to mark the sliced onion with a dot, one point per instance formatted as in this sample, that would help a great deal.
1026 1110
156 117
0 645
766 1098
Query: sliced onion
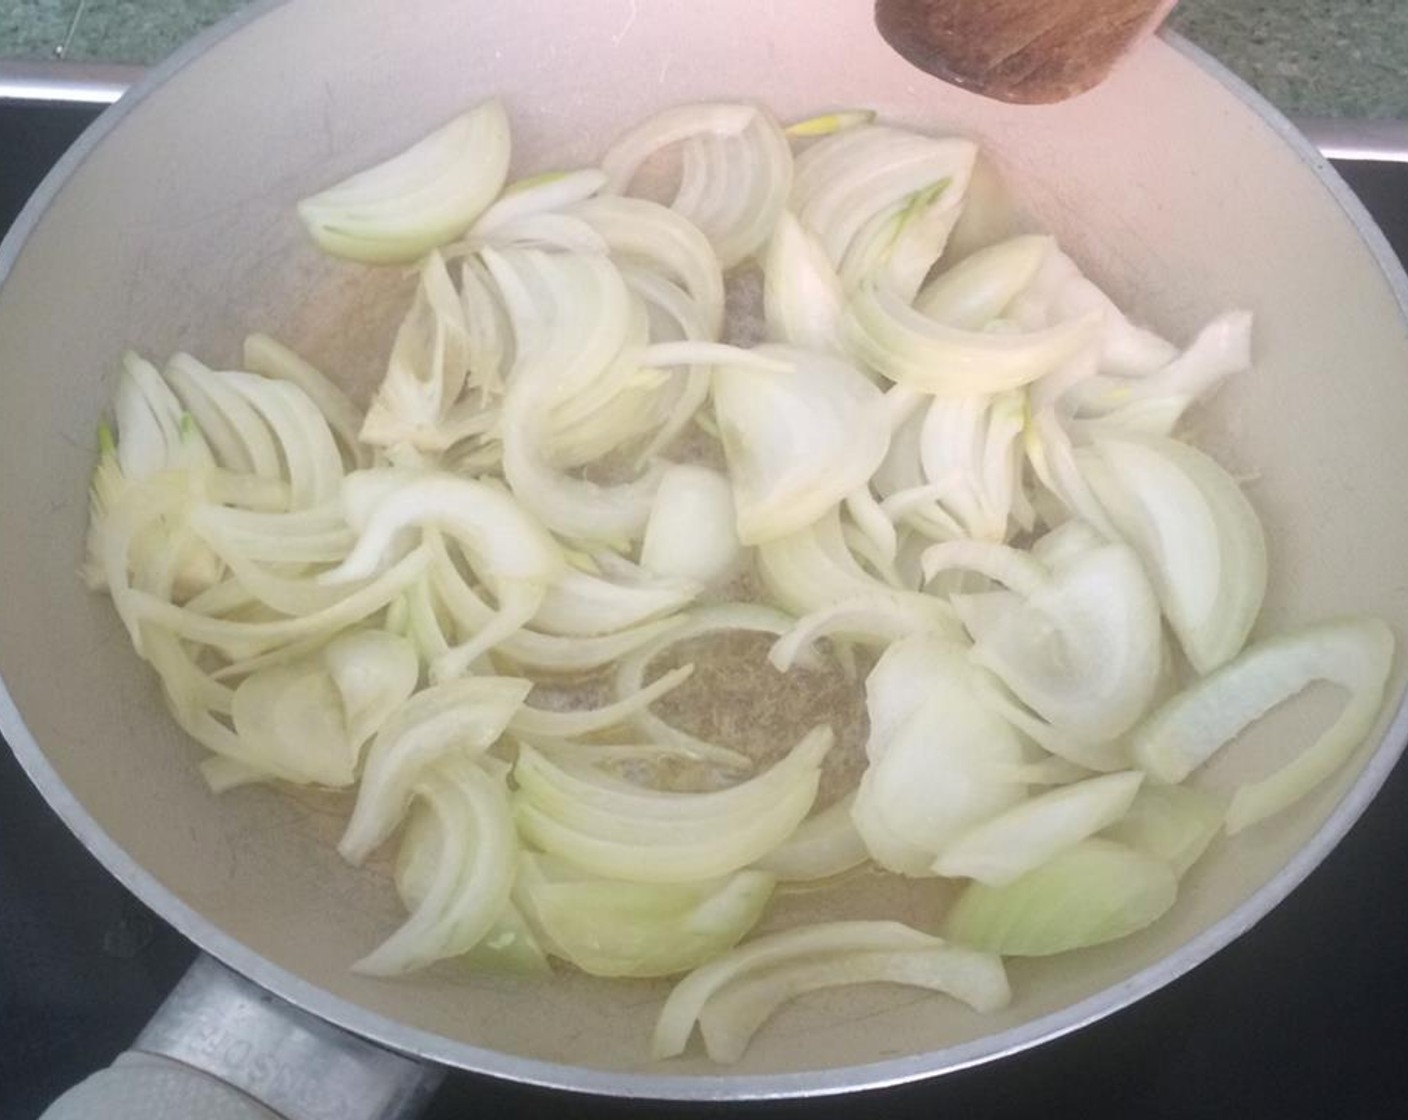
1172 823
899 684
535 722
972 443
645 233
312 463
614 829
579 604
873 619
140 531
689 997
874 527
913 350
1156 401
1196 532
238 638
1061 293
691 534
312 536
460 718
300 719
796 442
509 946
829 123
1095 892
422 198
1356 654
570 313
1103 755
1083 650
148 417
825 844
882 201
425 625
733 187
571 318
499 539
802 294
1007 846
543 194
706 118
489 344
427 369
945 767
223 774
471 888
733 1015
682 318
542 652
188 688
612 928
238 436
270 358
1222 348
814 569
977 290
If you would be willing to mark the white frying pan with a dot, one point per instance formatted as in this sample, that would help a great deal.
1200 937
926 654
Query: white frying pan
171 226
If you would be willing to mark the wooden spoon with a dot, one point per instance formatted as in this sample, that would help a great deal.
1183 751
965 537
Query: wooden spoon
1025 51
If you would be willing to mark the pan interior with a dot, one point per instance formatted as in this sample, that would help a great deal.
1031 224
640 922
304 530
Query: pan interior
177 232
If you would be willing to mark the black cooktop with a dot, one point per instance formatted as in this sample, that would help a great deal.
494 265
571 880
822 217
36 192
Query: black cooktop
1305 1018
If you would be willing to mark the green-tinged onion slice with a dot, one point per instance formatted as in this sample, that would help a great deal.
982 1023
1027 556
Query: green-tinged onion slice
1022 838
1173 823
1355 654
420 199
609 927
1095 892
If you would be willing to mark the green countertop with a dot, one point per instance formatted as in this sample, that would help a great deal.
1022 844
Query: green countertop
1332 58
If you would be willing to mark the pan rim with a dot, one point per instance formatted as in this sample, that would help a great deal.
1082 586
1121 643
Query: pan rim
436 1048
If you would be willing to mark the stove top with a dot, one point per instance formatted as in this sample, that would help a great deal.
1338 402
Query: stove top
1304 1017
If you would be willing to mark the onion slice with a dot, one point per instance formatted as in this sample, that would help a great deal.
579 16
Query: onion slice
733 1015
911 349
612 928
1095 892
691 532
1024 837
1185 732
422 198
1083 649
1196 532
690 996
797 442
618 830
461 718
825 844
470 889
1172 823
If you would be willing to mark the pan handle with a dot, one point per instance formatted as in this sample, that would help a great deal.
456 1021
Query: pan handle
221 1048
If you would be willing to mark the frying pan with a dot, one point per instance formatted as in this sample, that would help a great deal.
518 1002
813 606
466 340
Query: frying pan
171 227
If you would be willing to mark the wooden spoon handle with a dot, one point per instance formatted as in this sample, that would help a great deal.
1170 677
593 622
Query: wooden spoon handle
1026 51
